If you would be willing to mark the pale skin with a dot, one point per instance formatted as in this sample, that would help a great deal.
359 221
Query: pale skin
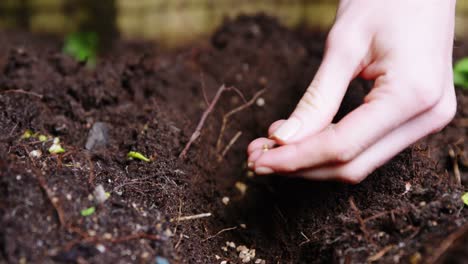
405 46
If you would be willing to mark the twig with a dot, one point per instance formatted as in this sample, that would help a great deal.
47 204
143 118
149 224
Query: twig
382 214
179 215
190 217
307 238
233 112
47 191
362 224
447 243
219 233
239 93
456 168
380 254
21 91
179 241
203 86
197 131
231 143
306 241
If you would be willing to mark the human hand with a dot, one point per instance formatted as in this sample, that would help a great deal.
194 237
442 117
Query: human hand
405 46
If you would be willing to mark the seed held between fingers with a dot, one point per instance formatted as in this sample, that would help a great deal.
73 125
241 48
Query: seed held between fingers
263 171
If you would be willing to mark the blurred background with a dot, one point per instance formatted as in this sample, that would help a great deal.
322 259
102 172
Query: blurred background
171 22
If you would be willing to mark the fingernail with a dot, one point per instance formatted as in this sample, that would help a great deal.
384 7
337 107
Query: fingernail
250 165
288 129
263 171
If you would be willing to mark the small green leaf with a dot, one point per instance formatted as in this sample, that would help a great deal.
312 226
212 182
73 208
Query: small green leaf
42 138
461 66
82 46
465 198
56 148
88 211
137 155
27 134
460 73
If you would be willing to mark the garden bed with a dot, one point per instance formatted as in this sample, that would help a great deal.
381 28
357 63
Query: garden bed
204 207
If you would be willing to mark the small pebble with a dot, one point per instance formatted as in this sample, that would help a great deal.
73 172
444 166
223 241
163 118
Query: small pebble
161 260
100 194
242 187
260 102
98 136
407 187
225 200
231 244
101 248
35 154
145 255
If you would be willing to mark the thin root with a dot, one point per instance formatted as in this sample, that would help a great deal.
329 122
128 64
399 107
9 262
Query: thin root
219 233
190 217
233 112
362 224
197 131
21 91
231 143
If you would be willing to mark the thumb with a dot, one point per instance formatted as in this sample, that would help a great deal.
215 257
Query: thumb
322 99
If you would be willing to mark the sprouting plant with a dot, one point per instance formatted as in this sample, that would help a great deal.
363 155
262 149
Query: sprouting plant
88 211
82 46
56 148
27 134
465 198
42 138
460 73
137 155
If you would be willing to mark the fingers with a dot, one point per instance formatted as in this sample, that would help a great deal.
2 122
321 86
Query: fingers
260 143
323 97
386 108
275 126
390 145
377 155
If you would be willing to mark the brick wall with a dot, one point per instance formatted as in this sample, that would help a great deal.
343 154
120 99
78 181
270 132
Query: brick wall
175 21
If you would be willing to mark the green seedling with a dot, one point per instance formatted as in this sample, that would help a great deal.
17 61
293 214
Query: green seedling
465 198
42 138
88 211
27 134
137 155
460 73
82 46
56 148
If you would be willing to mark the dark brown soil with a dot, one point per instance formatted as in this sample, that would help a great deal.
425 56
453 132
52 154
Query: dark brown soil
152 101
